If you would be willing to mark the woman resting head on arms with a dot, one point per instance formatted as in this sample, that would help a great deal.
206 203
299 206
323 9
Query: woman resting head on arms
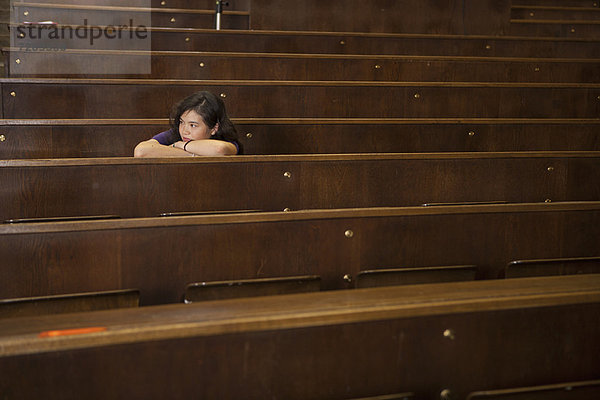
199 127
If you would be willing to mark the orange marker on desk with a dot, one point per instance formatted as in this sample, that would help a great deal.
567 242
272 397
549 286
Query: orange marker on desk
67 332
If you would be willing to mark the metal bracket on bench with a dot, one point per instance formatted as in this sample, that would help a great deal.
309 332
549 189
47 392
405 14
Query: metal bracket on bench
220 4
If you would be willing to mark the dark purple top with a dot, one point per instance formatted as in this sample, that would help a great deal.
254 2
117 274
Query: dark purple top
167 138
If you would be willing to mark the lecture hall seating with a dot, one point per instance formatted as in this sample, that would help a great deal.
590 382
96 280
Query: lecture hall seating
448 340
161 256
129 188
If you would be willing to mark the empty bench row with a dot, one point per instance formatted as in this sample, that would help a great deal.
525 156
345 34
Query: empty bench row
128 187
359 344
180 39
161 256
276 66
273 286
457 17
74 138
140 98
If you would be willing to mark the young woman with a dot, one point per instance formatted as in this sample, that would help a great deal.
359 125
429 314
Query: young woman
199 127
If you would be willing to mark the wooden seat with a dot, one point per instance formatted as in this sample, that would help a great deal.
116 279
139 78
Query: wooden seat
350 344
77 138
232 289
568 391
68 303
332 244
121 186
287 66
558 266
412 276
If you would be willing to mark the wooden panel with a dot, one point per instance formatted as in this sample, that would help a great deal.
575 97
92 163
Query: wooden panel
567 391
54 98
583 29
556 3
560 266
409 16
119 16
155 255
196 4
130 187
174 39
412 276
320 345
69 303
117 138
231 289
556 13
274 66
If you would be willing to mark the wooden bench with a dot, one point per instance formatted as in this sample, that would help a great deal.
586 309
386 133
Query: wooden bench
188 39
342 345
96 15
114 98
197 4
129 187
68 303
116 138
161 256
289 66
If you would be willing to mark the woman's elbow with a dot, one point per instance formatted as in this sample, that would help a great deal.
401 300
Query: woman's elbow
225 149
141 150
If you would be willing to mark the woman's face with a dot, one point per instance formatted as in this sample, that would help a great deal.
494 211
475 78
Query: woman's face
192 127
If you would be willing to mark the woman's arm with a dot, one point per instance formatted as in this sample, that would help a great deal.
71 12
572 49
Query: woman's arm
152 148
208 147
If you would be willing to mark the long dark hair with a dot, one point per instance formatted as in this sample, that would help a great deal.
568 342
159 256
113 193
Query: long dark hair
212 110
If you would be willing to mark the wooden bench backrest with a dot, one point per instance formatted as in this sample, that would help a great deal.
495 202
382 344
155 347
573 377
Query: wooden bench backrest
130 187
160 256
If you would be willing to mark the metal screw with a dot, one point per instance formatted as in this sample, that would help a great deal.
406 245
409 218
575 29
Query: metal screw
449 333
348 233
249 135
287 174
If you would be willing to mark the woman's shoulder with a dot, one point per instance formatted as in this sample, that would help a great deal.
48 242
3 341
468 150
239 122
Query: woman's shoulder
166 138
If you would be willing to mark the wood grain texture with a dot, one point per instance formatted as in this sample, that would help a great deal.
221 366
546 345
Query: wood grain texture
394 337
160 256
129 187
